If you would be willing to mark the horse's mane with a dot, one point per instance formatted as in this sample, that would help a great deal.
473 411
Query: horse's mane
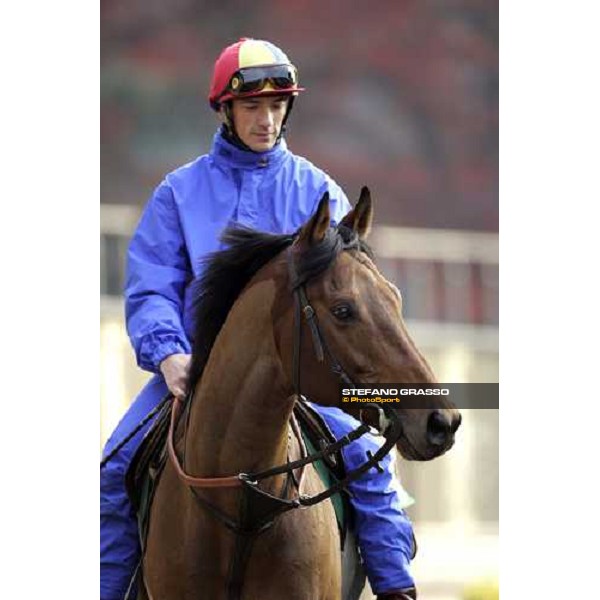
228 271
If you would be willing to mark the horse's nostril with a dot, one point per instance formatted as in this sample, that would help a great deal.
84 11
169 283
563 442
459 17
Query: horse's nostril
438 429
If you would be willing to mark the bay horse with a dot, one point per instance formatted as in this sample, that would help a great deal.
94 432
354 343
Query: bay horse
251 358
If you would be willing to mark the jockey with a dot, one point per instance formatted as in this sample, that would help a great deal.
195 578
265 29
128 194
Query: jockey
249 177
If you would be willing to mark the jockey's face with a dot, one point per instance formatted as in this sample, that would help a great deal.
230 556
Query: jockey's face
258 120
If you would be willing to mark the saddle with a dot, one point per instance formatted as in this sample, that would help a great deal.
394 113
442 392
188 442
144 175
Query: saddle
145 469
149 460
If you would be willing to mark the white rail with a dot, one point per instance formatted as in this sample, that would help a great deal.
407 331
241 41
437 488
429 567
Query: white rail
451 245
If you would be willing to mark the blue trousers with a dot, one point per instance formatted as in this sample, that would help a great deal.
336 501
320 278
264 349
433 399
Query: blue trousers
383 530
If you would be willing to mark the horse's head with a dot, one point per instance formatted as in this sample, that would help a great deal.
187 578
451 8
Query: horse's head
359 327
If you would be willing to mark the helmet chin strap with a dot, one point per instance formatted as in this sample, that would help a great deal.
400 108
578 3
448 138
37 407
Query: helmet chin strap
229 128
231 134
285 118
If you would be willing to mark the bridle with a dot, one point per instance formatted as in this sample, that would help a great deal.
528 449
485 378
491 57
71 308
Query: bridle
258 509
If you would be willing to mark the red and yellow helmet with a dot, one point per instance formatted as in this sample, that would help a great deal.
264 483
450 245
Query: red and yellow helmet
251 68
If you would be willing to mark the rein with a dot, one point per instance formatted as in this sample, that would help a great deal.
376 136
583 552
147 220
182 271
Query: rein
122 442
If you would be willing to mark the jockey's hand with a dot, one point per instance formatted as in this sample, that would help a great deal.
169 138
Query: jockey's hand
175 370
408 594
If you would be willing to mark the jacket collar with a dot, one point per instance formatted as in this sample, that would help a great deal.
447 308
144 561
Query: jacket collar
225 153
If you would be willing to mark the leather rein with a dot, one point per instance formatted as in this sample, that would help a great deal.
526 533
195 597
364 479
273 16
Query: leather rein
258 508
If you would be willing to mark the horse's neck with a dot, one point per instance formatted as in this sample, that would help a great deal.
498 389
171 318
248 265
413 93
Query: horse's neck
241 408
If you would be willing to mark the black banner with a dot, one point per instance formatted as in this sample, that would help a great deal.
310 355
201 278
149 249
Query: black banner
421 395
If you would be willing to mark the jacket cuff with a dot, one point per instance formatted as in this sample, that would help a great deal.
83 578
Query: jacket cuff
155 353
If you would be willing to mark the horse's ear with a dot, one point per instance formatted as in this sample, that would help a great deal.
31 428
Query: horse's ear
360 218
314 230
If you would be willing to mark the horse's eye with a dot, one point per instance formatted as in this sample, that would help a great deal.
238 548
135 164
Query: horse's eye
343 312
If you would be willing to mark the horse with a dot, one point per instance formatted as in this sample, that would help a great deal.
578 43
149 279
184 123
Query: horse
279 317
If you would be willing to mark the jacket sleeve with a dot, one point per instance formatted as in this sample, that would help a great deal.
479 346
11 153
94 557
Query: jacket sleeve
158 270
384 530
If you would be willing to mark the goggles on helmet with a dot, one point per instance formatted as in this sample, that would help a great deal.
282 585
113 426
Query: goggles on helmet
254 79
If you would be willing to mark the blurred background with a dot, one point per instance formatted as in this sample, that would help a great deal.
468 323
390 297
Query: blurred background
402 96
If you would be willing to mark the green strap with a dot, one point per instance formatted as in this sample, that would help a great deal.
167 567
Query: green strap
328 481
